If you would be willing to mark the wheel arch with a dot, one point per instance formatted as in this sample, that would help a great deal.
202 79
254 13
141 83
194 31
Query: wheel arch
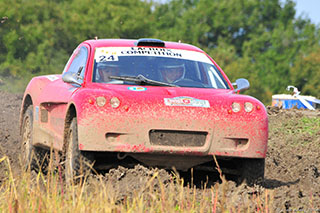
71 113
27 101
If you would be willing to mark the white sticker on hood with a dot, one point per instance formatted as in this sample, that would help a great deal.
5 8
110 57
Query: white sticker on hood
52 77
186 101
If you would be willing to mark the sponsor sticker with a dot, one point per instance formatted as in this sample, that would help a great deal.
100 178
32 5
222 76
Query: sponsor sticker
137 89
186 101
37 113
52 77
104 54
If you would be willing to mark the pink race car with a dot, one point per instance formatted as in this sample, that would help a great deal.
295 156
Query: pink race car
145 101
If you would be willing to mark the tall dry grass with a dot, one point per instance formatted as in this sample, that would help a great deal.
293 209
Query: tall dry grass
36 192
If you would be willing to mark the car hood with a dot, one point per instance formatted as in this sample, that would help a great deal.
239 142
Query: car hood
170 101
168 96
148 109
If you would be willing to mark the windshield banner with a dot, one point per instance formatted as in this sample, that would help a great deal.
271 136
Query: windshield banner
103 54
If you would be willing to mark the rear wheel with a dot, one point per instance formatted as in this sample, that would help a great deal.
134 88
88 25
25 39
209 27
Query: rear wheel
252 170
31 155
77 163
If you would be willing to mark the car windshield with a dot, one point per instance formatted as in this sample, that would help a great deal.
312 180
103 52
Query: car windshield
156 67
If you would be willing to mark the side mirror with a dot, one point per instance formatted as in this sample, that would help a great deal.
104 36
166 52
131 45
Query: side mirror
72 78
242 84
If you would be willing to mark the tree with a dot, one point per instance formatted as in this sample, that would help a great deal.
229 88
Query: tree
260 40
38 36
305 74
256 39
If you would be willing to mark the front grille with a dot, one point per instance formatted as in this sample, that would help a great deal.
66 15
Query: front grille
177 138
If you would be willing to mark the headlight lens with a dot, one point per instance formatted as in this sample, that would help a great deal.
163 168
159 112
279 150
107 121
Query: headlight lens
101 101
248 107
236 107
114 102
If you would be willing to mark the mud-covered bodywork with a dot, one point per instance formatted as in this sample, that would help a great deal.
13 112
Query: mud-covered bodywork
181 123
142 119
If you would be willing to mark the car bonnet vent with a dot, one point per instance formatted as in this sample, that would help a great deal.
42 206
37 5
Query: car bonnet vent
151 42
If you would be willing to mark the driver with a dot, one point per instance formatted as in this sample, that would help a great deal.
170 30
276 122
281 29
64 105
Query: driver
172 73
106 69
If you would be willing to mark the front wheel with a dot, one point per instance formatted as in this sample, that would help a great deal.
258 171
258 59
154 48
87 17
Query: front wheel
77 163
32 157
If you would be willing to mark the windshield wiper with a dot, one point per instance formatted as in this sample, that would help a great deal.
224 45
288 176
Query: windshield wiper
141 80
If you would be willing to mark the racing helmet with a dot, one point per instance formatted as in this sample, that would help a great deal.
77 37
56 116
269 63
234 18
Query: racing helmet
106 69
172 72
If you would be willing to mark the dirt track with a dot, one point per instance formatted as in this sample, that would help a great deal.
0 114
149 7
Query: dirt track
292 164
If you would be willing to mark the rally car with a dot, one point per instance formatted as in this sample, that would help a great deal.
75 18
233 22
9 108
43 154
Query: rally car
163 104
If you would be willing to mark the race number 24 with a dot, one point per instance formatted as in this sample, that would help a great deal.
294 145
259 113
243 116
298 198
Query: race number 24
104 58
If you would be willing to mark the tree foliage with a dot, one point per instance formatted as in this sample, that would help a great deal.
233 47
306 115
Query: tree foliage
260 40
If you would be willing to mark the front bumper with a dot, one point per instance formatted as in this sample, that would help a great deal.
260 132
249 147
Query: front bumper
232 135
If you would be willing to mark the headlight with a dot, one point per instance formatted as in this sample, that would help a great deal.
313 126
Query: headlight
114 102
248 107
236 107
101 101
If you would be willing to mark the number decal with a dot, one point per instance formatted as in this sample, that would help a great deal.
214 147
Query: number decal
103 58
110 58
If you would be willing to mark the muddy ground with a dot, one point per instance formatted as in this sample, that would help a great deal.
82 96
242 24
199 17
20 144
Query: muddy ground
292 164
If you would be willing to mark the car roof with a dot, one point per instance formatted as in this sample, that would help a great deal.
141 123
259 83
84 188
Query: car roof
132 43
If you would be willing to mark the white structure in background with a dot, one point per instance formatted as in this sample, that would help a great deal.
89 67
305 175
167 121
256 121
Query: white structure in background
295 100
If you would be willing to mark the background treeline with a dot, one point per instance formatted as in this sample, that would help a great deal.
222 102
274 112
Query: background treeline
260 40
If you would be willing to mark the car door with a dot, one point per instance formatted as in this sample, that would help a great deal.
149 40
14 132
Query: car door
56 96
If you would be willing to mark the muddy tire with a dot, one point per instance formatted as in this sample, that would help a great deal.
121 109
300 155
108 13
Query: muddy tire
77 163
252 171
31 155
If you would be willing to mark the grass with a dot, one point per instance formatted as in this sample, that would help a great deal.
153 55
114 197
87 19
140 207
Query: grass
36 192
300 131
305 125
310 125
